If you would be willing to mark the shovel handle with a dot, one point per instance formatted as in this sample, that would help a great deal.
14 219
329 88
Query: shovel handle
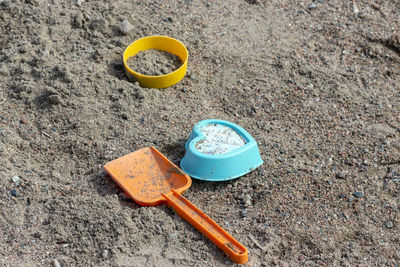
204 224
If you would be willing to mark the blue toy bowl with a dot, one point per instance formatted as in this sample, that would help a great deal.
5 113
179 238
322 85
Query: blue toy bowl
221 166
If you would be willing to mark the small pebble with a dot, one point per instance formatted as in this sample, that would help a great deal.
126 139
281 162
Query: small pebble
184 89
125 27
355 9
79 2
248 202
37 235
169 19
388 224
124 116
358 194
243 212
6 3
16 180
56 263
341 175
3 70
312 6
105 253
14 193
23 49
345 215
173 236
89 50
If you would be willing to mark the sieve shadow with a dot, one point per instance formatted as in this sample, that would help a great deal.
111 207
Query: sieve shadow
174 151
210 186
116 68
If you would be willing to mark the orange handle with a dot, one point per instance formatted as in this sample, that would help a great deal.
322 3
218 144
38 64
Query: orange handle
235 251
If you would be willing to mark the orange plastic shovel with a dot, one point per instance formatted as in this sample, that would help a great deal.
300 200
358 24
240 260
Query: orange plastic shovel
150 179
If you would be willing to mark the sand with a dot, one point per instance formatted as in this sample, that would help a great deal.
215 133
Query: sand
219 139
316 83
154 62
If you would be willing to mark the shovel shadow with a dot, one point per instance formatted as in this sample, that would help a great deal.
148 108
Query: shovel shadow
174 151
105 186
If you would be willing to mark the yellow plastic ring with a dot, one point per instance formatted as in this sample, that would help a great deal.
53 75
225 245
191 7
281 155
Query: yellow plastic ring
163 43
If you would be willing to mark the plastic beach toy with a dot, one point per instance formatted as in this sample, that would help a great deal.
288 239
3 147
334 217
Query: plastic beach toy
163 43
149 178
219 150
